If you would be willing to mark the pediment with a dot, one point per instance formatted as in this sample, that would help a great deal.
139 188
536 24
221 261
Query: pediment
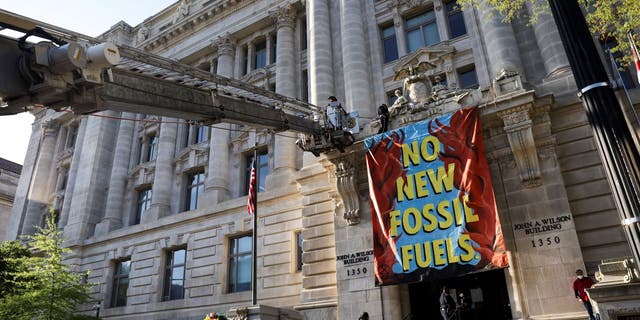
431 58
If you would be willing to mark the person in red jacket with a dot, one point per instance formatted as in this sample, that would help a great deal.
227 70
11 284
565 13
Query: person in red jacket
579 286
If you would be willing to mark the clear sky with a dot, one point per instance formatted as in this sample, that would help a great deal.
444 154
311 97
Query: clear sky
88 17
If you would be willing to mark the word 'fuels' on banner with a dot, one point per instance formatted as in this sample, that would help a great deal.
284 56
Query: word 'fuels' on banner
432 203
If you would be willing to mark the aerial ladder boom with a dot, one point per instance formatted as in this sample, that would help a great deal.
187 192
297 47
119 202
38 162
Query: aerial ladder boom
71 70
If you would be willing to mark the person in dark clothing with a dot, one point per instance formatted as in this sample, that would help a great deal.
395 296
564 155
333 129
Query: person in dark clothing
579 286
447 304
364 316
383 115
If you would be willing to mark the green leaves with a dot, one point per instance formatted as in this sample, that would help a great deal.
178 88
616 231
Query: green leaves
34 281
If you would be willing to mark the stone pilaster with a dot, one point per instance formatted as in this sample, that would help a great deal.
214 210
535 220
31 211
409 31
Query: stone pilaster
550 44
502 48
518 126
163 179
113 213
285 150
217 182
37 197
355 59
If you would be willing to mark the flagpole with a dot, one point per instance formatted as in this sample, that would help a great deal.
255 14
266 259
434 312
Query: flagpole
254 264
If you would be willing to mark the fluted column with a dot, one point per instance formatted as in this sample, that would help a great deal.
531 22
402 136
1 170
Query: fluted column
113 213
73 171
37 196
163 179
320 52
285 150
355 59
217 182
502 48
550 44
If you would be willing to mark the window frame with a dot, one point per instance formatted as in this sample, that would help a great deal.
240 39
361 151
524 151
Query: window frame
143 203
465 69
116 284
383 40
298 250
233 260
169 266
260 55
431 21
195 180
452 9
262 170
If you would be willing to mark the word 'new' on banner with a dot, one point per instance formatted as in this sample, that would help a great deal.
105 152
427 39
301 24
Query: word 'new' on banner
432 203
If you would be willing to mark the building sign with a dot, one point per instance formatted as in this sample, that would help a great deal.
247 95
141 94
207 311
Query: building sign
355 265
433 208
542 233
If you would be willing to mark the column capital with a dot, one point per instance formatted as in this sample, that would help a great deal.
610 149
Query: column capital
285 16
225 44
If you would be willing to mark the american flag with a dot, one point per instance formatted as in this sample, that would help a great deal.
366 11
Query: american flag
251 200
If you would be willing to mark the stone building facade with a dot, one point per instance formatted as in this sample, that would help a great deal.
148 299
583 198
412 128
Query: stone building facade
9 175
156 207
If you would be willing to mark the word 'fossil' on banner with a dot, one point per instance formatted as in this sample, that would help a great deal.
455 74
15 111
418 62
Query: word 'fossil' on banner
433 207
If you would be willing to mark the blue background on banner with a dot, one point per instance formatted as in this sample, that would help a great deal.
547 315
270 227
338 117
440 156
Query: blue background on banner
417 132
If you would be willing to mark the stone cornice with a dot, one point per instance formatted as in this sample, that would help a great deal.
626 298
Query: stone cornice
209 12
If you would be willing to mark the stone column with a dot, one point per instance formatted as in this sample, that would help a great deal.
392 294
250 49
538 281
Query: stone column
320 52
550 44
113 213
502 48
285 150
71 179
217 182
355 59
37 196
251 49
163 179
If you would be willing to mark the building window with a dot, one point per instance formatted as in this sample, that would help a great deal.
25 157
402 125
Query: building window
262 170
305 85
389 43
274 46
391 97
240 251
299 250
148 148
303 34
422 31
468 78
195 187
174 275
260 56
245 60
144 202
455 20
201 134
72 134
120 283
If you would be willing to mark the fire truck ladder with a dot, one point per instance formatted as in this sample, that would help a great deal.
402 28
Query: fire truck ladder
150 84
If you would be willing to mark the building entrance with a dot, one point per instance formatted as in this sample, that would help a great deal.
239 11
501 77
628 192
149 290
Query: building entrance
486 297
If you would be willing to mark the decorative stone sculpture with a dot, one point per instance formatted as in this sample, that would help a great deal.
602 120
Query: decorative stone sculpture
143 34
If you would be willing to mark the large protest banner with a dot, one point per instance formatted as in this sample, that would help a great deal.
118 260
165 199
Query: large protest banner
433 207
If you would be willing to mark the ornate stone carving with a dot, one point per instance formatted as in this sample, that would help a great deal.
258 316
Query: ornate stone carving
182 11
143 34
347 187
518 126
285 16
225 44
